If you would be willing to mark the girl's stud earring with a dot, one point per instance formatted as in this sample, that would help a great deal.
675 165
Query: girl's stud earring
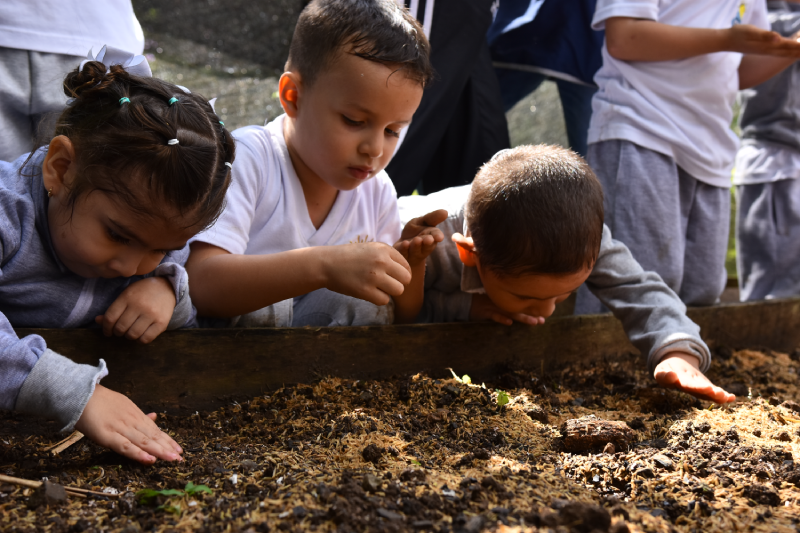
50 192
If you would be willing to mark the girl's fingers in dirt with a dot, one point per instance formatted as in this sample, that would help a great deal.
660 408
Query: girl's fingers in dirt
126 448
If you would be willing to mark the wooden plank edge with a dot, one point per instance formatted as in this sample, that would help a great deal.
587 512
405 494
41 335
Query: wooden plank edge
204 368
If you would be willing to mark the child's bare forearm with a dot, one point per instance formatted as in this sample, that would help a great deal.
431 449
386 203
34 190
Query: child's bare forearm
756 69
226 285
630 39
408 305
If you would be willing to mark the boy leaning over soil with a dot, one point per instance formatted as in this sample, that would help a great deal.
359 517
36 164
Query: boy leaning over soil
311 216
525 235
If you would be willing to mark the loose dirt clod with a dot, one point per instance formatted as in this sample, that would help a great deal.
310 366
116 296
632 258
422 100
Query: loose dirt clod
590 432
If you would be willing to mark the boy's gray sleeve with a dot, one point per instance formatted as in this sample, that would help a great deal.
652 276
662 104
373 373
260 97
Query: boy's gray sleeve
171 268
445 307
444 299
651 313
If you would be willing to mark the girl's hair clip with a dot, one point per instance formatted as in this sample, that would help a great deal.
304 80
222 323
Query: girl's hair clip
221 122
172 142
173 100
228 164
124 100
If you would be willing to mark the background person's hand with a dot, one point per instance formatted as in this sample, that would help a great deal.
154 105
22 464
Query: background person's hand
142 312
681 371
484 309
371 271
748 39
112 420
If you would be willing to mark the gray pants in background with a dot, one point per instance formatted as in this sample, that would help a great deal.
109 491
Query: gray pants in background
31 90
321 308
673 224
768 240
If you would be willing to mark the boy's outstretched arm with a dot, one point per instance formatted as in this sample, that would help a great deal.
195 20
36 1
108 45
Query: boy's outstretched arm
417 241
678 370
631 39
226 285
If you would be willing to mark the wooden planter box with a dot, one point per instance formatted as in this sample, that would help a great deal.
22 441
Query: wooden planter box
204 368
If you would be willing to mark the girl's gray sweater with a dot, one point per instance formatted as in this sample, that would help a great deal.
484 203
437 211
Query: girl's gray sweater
36 290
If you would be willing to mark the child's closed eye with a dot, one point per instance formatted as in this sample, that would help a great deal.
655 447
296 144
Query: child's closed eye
392 133
116 237
350 122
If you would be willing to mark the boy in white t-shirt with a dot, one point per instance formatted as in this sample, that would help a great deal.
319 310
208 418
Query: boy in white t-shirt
660 139
306 237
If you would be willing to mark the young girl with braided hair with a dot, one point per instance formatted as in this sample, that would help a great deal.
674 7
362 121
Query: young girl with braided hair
93 229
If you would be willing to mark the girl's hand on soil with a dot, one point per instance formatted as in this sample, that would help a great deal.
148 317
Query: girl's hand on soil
142 312
112 420
484 309
371 271
420 237
678 370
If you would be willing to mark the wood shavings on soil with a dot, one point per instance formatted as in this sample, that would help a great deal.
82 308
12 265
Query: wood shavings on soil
418 453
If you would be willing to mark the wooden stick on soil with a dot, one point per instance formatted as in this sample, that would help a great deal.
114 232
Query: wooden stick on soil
59 447
72 491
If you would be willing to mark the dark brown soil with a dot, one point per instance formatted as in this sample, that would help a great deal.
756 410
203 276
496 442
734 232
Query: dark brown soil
418 454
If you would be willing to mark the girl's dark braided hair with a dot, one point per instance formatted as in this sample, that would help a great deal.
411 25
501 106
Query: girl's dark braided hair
120 125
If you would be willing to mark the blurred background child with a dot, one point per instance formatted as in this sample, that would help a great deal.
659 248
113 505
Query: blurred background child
660 139
766 178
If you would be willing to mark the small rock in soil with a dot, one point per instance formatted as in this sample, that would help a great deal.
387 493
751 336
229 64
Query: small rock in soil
609 449
537 413
48 494
390 515
774 400
792 406
371 483
663 461
783 436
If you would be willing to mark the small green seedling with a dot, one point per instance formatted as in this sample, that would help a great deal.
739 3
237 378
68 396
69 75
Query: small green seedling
415 462
193 490
502 397
148 496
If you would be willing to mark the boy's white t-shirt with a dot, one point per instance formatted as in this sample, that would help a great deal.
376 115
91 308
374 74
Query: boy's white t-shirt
681 108
266 210
69 27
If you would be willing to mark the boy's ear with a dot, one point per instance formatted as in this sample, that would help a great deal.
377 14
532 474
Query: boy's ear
466 249
289 91
56 165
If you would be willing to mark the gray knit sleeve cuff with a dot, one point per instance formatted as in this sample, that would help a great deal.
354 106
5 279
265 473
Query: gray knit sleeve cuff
680 342
184 314
59 388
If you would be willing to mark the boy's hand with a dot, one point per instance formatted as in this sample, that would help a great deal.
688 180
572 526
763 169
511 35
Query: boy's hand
484 309
749 39
420 237
678 370
142 312
371 271
112 420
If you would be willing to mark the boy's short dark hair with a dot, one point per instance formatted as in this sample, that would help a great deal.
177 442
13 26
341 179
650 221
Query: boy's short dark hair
536 210
376 30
